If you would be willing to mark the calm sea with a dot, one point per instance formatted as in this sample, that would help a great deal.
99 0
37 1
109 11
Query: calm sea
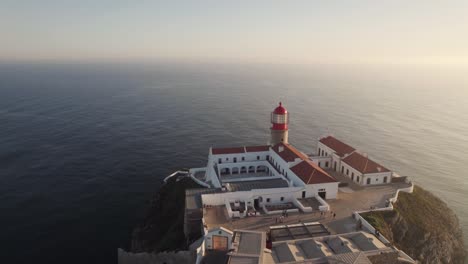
84 146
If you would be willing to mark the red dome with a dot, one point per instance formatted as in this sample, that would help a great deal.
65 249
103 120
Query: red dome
280 110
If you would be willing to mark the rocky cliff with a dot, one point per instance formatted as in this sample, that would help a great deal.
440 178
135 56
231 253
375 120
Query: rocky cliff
163 226
423 226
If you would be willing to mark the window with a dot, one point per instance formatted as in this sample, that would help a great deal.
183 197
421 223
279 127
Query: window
268 200
323 152
258 157
243 158
385 179
235 159
267 157
321 190
220 160
368 180
352 176
319 151
342 169
357 180
326 164
347 171
282 198
319 163
227 159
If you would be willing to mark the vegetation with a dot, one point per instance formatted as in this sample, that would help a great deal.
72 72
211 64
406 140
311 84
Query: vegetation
423 226
162 229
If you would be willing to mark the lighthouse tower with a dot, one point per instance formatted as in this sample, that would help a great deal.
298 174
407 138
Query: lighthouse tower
279 128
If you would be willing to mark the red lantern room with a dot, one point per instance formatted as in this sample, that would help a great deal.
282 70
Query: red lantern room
279 128
280 118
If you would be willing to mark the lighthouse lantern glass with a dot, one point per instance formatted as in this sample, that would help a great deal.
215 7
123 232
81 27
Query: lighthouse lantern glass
279 119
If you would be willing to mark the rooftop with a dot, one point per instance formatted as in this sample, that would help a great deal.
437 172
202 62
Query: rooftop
310 173
193 197
238 150
297 231
288 153
363 164
256 184
248 247
342 248
339 147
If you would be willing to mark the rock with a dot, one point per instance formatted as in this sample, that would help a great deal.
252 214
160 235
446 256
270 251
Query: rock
163 227
423 226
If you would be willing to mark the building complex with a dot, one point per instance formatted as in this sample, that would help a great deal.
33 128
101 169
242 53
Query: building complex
251 191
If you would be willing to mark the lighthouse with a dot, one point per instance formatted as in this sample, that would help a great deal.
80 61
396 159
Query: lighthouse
279 122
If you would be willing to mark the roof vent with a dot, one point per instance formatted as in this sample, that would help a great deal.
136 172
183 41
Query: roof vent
379 169
280 148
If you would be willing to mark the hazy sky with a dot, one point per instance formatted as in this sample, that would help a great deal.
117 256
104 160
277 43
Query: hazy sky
264 31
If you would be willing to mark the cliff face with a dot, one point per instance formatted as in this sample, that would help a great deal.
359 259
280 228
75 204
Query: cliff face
163 226
423 226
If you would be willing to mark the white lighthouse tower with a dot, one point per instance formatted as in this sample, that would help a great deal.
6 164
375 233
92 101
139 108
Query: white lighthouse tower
279 128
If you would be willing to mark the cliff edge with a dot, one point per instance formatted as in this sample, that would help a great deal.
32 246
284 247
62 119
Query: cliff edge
163 226
423 226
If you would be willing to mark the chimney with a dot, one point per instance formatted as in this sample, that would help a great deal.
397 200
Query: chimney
280 148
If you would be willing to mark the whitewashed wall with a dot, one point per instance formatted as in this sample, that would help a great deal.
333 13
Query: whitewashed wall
377 178
274 195
351 171
217 232
331 189
328 151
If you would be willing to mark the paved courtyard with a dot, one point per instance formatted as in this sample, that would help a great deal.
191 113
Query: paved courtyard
348 201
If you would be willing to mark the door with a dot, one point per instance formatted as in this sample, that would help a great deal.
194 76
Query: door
323 194
220 243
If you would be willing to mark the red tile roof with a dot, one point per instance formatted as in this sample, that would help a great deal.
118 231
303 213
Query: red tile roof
311 173
289 152
339 147
363 164
257 148
217 151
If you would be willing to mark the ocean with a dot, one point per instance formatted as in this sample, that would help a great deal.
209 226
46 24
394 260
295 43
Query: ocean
83 147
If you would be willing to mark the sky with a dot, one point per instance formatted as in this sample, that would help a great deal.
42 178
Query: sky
410 32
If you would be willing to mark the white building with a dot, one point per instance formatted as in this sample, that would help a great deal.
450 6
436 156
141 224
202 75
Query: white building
268 178
340 157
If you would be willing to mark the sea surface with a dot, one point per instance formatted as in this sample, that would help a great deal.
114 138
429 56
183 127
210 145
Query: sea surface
83 147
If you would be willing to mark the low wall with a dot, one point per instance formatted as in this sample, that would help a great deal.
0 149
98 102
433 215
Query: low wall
369 227
204 184
227 204
124 257
303 208
200 253
293 210
324 205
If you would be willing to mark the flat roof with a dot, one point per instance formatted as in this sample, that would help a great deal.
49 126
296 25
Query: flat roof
239 150
193 196
256 184
248 247
343 248
297 231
